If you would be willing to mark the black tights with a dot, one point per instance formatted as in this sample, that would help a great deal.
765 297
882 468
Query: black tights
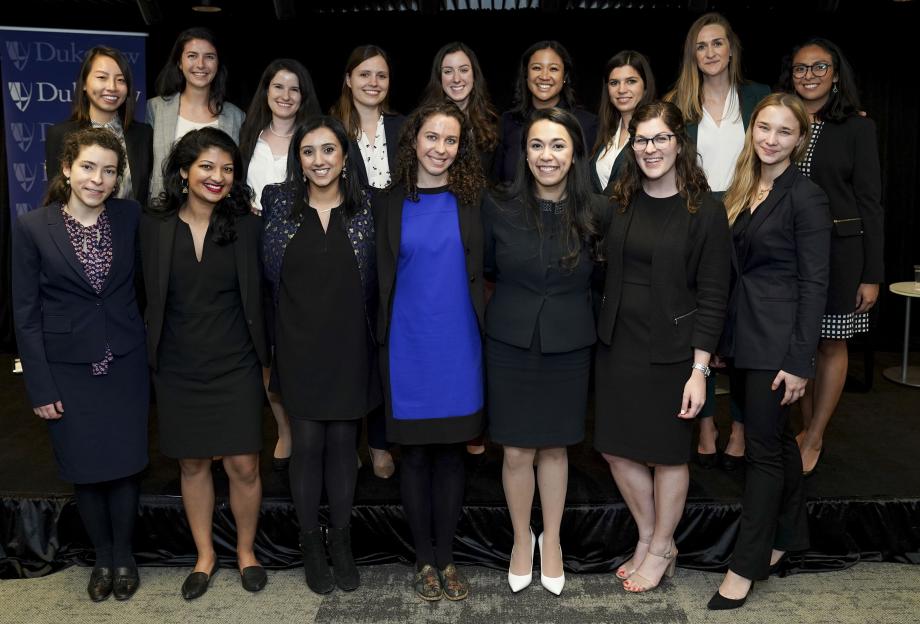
323 452
432 480
108 510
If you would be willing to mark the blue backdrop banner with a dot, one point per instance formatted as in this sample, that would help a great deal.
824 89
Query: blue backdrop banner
39 68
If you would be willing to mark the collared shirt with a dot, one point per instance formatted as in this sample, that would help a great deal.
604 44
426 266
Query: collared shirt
114 126
720 145
264 168
608 157
375 157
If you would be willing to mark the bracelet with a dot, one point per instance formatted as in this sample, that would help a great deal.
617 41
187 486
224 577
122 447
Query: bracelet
702 368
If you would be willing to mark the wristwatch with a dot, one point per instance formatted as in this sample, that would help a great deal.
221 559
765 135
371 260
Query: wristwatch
702 368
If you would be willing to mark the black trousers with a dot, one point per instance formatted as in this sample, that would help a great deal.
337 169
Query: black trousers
773 513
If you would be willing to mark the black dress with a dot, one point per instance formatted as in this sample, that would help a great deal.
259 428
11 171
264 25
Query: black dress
637 401
323 352
209 379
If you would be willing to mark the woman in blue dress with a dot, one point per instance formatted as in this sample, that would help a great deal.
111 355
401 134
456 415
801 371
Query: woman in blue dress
429 259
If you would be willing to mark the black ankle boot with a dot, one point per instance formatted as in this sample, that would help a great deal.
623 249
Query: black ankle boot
315 568
343 563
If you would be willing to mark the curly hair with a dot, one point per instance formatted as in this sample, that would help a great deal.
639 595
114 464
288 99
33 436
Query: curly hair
464 177
183 155
691 181
482 115
840 105
74 143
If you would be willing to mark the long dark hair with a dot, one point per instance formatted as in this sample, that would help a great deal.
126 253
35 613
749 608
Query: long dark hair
74 143
579 223
81 102
608 117
464 177
840 105
691 181
479 110
171 81
523 103
349 186
183 155
344 107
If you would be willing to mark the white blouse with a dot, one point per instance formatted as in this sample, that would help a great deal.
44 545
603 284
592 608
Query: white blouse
184 126
719 146
264 168
375 157
608 157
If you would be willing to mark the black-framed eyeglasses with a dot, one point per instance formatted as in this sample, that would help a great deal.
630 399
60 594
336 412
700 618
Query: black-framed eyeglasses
660 141
818 69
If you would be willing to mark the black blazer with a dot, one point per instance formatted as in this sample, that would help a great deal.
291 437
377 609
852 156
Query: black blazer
614 171
392 125
532 292
138 141
508 152
845 164
59 317
387 207
780 267
157 236
689 280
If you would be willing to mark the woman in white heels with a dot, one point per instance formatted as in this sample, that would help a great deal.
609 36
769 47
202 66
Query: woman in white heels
665 292
539 249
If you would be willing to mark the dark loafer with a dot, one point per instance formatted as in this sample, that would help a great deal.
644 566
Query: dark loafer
127 580
196 583
454 584
253 578
427 584
707 460
100 584
730 463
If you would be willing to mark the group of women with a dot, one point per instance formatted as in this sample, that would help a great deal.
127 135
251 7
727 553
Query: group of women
656 241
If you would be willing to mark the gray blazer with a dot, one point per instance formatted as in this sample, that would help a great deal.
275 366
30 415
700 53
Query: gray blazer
163 114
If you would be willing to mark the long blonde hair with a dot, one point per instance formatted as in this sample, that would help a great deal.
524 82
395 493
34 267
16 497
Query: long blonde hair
688 92
743 189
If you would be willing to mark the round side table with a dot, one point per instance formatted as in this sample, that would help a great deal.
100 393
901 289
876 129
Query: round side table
904 374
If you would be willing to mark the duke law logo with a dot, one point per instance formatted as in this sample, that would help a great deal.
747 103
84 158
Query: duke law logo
23 133
17 53
21 94
25 175
22 208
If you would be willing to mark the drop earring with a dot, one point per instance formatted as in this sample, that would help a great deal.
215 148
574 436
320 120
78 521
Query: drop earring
344 172
184 186
834 90
66 180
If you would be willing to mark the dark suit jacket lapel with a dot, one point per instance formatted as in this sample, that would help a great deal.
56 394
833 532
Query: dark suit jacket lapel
394 222
781 186
390 131
166 235
242 262
119 246
60 237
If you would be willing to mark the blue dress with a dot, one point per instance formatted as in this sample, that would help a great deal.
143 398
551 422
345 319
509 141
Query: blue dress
435 350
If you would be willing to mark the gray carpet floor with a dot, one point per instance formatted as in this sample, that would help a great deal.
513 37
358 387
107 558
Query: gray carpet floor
867 593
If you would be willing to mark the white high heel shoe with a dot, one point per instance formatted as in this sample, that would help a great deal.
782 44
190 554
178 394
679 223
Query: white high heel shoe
520 581
552 583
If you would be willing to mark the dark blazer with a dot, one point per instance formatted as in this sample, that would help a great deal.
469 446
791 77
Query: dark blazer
138 141
749 95
508 152
617 165
780 266
157 236
689 280
392 125
59 317
532 292
845 164
387 207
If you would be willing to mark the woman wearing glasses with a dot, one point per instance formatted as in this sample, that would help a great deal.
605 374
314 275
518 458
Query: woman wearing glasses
717 103
841 158
668 257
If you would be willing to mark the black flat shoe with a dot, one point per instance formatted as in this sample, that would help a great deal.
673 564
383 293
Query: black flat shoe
779 567
253 578
731 463
196 583
127 580
707 460
100 584
718 602
281 464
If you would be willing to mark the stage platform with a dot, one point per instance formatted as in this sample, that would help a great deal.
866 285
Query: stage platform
864 500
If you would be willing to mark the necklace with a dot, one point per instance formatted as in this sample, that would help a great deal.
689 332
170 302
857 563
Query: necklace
271 129
762 192
322 210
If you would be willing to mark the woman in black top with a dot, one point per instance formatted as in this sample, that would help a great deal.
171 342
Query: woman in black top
539 250
841 158
545 80
665 292
319 256
206 339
